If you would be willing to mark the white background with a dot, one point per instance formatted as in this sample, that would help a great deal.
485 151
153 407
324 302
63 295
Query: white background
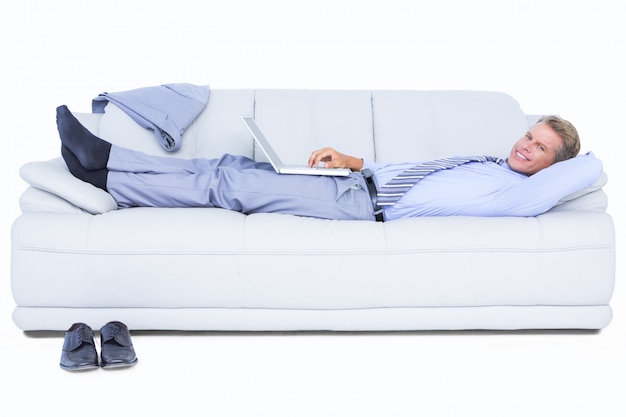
564 57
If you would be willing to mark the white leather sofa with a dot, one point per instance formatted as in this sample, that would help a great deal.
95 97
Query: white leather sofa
76 257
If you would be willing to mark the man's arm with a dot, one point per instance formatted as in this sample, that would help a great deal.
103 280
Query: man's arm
541 191
333 159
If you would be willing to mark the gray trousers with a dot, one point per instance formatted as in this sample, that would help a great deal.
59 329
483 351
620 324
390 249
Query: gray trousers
237 183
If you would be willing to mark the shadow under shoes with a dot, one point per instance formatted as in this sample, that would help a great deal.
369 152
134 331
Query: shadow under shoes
116 347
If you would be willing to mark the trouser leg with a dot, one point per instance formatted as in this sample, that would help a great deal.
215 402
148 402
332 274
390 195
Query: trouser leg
264 191
137 179
234 183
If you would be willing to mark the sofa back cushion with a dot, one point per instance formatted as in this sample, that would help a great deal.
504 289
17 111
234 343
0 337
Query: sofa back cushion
389 126
423 125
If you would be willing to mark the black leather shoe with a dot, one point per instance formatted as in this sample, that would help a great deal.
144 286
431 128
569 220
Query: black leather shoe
116 347
79 350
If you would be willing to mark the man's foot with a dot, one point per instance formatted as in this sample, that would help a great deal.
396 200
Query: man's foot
90 150
97 177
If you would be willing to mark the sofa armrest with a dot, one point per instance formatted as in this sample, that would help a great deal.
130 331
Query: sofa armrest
54 177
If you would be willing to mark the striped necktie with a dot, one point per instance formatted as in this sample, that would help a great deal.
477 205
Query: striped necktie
391 192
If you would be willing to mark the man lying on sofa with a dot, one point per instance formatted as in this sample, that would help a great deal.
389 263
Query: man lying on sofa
541 169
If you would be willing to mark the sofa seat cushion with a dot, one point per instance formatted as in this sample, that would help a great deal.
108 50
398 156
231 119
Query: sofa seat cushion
146 257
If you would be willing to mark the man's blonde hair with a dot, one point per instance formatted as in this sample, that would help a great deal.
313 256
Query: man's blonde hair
567 132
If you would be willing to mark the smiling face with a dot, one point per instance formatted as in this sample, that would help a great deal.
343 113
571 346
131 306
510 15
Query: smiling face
536 150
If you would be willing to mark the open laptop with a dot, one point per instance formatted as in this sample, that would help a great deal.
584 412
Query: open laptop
276 162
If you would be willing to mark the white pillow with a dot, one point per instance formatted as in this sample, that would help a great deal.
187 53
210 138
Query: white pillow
54 177
36 200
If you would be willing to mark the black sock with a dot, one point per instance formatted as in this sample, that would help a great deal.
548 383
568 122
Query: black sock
90 150
96 177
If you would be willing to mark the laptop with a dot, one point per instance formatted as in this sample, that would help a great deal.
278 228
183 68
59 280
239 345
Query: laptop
281 168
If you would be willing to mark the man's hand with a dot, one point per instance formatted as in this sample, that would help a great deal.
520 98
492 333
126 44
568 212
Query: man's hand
333 159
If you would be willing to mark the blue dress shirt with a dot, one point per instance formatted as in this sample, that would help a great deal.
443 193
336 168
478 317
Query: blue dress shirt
488 189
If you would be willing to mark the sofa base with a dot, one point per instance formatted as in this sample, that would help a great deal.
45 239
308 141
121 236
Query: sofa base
379 319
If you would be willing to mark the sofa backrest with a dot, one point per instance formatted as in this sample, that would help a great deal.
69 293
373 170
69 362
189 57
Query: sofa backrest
385 126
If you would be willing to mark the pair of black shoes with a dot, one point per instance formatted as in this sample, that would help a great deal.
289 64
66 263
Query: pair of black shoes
79 348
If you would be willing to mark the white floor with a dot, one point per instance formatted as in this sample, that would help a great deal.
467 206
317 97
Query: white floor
430 374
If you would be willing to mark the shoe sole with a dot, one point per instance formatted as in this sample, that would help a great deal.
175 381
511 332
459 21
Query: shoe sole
79 367
118 364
